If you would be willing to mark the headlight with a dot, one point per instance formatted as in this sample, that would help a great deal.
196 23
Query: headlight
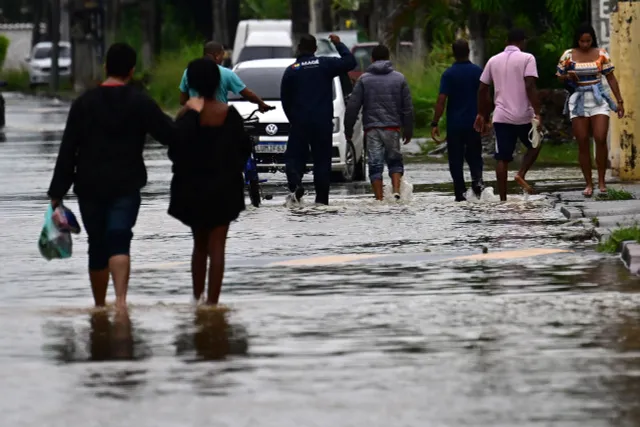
336 124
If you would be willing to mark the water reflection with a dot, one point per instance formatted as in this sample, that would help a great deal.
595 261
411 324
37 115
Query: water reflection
110 337
211 337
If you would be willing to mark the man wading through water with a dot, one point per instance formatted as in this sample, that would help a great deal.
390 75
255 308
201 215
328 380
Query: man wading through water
459 92
387 115
229 81
513 74
306 92
101 155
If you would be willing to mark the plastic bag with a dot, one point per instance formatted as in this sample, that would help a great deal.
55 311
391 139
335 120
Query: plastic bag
55 237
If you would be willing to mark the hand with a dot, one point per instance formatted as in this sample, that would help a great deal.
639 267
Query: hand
55 203
263 108
195 104
620 110
539 119
572 75
435 135
334 39
407 140
479 124
486 130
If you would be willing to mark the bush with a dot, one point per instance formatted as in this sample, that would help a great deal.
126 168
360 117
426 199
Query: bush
613 243
4 47
164 79
17 80
424 82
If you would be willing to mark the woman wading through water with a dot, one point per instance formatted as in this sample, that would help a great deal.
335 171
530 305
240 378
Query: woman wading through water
589 106
207 190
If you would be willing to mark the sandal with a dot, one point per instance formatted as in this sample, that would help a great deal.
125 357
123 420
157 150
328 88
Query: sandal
522 183
588 192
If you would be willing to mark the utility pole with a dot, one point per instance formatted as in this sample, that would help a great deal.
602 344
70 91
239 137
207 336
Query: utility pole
55 49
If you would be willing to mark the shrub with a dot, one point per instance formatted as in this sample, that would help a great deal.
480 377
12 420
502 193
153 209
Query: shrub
424 82
4 47
164 79
17 80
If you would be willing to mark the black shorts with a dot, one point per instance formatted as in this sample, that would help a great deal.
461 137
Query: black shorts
507 136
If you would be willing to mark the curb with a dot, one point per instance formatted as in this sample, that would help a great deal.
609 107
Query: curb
630 256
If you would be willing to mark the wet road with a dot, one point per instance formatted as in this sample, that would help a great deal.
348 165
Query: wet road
534 341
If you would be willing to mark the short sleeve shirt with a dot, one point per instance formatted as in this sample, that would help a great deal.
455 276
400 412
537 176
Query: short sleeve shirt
588 72
507 71
229 82
460 83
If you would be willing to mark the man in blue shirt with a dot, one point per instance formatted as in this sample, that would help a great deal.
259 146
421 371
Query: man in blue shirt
229 81
459 85
306 93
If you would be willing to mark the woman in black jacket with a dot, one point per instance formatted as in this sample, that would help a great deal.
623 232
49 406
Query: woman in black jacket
207 190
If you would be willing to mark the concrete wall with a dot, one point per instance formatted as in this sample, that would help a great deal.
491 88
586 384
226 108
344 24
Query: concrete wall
600 19
20 43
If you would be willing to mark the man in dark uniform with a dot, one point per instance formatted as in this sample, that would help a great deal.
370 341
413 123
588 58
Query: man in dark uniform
307 99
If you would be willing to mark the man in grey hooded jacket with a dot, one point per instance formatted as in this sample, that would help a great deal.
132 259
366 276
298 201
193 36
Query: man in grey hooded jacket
387 115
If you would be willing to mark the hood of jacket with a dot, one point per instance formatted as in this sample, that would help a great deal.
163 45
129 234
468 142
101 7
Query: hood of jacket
380 67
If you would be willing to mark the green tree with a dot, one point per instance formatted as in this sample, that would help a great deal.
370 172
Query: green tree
264 9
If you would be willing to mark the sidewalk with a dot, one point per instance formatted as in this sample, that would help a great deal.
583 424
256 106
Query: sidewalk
603 217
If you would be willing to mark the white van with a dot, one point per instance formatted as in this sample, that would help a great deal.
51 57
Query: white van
266 45
245 28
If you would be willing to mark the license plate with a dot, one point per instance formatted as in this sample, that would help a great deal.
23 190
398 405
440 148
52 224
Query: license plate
271 148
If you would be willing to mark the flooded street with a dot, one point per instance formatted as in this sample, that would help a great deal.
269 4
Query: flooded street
429 339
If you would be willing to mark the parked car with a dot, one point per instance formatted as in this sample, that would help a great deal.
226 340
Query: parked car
266 45
39 63
264 77
362 52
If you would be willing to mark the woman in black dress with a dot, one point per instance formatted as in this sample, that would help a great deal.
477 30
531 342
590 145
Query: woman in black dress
207 190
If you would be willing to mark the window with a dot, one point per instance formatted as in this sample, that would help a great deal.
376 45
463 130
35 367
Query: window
363 57
265 82
325 47
250 53
45 52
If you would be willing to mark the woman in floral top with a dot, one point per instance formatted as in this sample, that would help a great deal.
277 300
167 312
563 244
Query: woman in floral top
590 104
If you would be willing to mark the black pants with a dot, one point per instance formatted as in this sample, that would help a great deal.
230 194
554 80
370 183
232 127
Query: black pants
464 145
318 137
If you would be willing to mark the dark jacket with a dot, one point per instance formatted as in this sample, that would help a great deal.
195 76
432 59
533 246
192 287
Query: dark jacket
385 99
102 144
306 91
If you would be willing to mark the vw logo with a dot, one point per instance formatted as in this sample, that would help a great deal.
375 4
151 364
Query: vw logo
271 129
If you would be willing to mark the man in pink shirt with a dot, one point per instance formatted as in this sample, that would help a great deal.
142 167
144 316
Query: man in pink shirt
513 74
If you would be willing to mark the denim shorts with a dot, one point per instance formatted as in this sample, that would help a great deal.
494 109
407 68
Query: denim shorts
109 224
383 146
507 136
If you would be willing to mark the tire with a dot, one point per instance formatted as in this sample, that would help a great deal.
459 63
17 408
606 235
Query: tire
254 192
348 173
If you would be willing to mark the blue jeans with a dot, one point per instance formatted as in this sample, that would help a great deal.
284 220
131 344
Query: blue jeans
383 146
109 224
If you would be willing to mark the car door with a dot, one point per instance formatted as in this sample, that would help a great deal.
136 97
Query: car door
358 133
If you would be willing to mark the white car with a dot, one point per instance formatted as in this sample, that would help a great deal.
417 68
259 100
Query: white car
39 63
264 77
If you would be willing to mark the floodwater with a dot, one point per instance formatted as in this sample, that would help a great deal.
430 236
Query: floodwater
533 341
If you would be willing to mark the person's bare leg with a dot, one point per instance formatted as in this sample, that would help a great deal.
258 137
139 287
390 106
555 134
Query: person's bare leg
199 259
99 284
600 126
217 244
581 127
120 267
396 179
502 168
376 184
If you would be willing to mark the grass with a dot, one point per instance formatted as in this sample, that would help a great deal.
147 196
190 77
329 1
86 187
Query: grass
612 244
18 81
614 194
553 154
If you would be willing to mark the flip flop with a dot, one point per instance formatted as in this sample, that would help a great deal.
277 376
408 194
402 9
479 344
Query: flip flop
525 186
588 193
